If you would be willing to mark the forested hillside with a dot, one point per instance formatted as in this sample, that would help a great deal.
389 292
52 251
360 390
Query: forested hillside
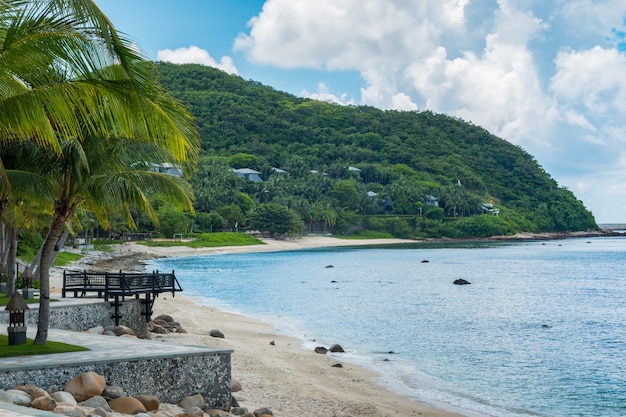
427 174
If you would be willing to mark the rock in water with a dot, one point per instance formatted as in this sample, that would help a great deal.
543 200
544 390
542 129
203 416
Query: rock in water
461 281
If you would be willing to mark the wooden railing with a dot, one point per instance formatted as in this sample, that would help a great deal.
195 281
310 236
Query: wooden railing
107 284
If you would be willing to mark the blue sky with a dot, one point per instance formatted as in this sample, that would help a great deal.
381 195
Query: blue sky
548 76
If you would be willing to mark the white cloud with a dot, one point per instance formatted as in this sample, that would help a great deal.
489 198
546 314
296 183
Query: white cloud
593 78
195 55
323 94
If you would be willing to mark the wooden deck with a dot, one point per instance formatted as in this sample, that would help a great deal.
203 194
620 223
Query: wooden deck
118 285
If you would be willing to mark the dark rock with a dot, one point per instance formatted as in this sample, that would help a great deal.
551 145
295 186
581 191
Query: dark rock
337 365
336 349
461 281
424 261
263 411
329 266
165 317
235 385
239 411
272 343
321 349
216 333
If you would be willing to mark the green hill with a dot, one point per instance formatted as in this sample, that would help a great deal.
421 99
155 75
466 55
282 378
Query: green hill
409 160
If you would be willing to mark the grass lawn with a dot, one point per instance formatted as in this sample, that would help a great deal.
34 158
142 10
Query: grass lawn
7 351
4 300
209 240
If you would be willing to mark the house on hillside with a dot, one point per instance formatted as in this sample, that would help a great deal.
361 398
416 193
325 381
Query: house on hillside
248 174
167 168
488 208
431 200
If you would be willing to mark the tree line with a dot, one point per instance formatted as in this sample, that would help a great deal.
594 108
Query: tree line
406 160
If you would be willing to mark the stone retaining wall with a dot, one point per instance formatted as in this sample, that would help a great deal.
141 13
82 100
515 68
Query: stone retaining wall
80 317
169 378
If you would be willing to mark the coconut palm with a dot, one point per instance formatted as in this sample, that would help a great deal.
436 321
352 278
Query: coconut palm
67 76
106 177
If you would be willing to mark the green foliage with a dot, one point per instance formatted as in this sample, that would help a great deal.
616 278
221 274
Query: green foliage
209 222
242 160
404 157
29 243
275 219
233 215
66 258
172 220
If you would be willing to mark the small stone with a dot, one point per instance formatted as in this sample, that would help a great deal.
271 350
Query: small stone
45 403
336 349
123 330
99 412
155 328
86 385
170 409
337 365
96 402
95 330
181 330
113 391
321 349
239 411
19 397
235 385
216 333
259 412
69 410
151 402
164 317
196 400
127 405
192 412
64 397
4 397
217 413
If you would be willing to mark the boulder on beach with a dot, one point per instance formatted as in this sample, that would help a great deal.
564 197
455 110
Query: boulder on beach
86 385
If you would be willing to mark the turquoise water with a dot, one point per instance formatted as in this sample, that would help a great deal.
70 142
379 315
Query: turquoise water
539 332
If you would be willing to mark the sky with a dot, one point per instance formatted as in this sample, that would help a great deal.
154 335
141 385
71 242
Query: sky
546 75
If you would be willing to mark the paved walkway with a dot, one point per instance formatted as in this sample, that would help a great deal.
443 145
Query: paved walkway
103 349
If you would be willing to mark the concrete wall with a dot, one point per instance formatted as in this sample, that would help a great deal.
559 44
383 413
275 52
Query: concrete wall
80 317
169 378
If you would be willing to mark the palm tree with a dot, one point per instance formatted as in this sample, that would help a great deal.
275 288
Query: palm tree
65 72
106 177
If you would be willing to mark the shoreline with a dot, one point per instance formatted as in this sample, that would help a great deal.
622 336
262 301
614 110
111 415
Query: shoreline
284 375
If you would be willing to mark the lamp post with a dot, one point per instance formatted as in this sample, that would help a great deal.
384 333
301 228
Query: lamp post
17 319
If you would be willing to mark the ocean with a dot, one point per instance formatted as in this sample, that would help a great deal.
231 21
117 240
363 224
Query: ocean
540 331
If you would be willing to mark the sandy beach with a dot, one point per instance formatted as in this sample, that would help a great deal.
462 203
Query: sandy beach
274 371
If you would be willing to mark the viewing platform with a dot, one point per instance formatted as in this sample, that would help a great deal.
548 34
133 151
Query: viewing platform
118 285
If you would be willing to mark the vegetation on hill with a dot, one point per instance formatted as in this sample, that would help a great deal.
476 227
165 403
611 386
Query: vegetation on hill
350 168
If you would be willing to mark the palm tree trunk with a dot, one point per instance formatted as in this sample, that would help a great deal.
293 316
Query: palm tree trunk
12 261
44 279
